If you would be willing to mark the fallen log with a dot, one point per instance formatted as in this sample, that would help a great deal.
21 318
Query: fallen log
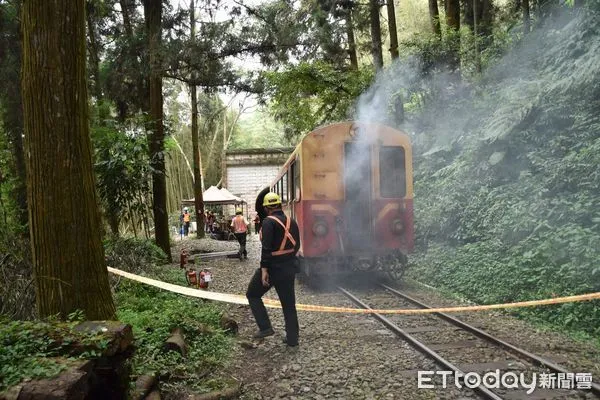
144 385
176 342
74 383
228 324
120 335
217 254
203 329
153 395
230 392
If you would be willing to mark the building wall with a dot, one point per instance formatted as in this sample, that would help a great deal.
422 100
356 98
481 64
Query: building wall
247 172
247 181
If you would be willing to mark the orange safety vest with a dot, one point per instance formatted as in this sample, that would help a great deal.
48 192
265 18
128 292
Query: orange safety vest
238 224
286 236
186 217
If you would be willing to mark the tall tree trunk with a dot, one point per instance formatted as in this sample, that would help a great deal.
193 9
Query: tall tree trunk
485 21
153 16
351 39
479 12
125 10
526 17
434 18
376 51
198 200
121 105
93 49
113 223
391 10
453 23
68 257
224 151
468 16
453 14
476 35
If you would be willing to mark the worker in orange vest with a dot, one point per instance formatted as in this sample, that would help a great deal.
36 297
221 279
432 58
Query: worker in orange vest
185 219
239 224
280 239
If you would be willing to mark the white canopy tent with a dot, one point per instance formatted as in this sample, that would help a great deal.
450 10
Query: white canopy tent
216 196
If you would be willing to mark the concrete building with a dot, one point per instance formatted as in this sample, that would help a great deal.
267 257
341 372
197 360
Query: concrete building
246 172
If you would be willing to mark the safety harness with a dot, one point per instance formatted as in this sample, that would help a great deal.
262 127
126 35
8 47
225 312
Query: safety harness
286 236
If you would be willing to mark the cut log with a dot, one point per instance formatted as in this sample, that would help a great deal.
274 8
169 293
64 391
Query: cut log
103 377
206 256
204 329
121 335
143 386
72 384
153 395
176 342
11 393
228 324
228 393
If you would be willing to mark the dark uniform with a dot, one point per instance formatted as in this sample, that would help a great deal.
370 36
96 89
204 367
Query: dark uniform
280 240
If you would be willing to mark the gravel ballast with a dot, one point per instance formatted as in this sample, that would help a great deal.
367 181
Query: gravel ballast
352 356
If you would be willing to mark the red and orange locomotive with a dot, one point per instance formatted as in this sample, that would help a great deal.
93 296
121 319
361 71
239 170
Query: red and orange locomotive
349 187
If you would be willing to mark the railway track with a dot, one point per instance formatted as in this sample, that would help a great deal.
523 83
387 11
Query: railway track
454 344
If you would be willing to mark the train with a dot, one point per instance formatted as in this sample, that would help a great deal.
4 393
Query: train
349 186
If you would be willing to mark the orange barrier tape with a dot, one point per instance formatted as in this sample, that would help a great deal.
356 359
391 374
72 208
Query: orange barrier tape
237 299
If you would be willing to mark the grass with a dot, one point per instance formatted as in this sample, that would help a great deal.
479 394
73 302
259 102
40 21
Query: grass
154 313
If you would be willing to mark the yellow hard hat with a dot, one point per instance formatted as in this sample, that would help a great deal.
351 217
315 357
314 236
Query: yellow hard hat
271 199
238 210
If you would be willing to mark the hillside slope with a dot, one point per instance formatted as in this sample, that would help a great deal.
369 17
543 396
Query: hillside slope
507 181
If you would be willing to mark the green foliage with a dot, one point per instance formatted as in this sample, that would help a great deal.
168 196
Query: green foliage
489 272
122 168
31 350
507 185
154 313
7 184
17 297
311 94
132 254
258 130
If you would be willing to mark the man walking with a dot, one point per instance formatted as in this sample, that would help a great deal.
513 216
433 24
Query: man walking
240 230
185 219
256 223
280 240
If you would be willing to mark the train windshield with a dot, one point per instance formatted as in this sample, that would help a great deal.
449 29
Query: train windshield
392 171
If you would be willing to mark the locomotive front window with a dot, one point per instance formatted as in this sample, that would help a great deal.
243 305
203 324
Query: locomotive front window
392 171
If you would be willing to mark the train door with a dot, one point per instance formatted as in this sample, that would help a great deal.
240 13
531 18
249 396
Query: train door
357 192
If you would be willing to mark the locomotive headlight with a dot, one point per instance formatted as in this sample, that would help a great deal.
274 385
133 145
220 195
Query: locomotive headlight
320 228
397 226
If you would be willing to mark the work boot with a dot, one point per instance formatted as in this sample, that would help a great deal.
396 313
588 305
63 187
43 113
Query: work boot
264 333
289 345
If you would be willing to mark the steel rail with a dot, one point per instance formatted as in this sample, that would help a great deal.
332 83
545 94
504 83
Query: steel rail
482 390
535 359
